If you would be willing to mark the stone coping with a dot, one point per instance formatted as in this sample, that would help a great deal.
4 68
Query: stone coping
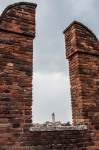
53 127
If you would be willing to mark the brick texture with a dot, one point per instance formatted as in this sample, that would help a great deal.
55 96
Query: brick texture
17 31
82 51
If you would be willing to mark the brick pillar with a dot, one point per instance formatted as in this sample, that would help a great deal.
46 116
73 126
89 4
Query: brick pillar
17 31
82 51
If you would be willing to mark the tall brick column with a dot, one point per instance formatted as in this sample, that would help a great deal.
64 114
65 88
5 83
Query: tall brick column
82 51
17 31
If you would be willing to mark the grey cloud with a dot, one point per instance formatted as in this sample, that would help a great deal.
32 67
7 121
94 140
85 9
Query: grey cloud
52 93
51 22
51 50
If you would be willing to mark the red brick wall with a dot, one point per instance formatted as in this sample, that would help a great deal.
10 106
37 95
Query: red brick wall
61 140
17 31
82 51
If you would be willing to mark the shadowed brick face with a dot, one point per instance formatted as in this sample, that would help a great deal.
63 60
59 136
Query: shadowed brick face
17 31
82 51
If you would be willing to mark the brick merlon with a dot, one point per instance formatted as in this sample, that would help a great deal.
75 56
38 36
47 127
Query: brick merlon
78 23
79 38
17 4
19 18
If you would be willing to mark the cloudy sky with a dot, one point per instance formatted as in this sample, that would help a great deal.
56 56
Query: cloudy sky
51 89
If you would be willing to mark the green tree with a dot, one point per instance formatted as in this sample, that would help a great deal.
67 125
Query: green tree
68 124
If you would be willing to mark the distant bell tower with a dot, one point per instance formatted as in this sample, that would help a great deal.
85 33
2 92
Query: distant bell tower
53 118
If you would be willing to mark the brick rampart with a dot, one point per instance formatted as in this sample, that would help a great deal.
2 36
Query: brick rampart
17 31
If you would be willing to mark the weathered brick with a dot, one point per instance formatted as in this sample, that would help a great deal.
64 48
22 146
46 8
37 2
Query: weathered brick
17 31
82 51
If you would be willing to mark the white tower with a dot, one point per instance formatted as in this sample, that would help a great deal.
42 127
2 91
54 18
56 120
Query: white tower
53 118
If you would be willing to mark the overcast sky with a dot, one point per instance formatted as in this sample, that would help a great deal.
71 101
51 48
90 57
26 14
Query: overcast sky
51 88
